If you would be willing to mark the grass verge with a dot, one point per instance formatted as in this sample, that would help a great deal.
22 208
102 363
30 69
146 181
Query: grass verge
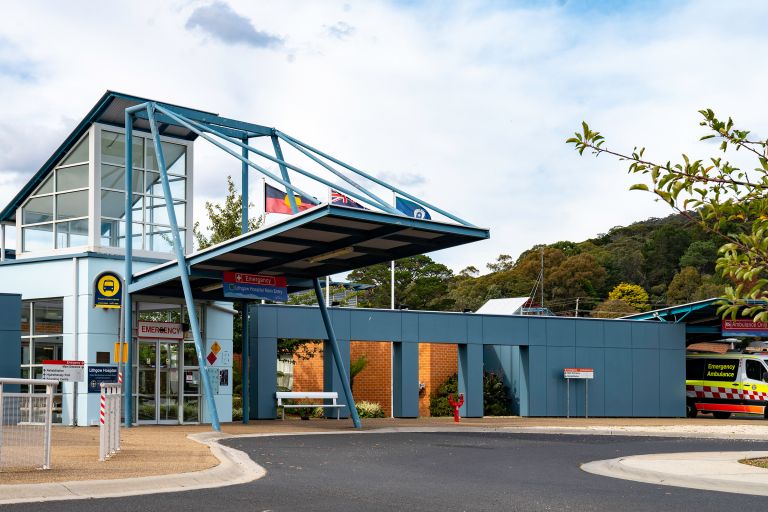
760 463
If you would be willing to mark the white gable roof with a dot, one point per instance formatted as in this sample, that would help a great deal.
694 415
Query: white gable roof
510 306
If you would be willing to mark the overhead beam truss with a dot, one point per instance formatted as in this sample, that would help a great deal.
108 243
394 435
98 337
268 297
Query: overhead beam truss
218 131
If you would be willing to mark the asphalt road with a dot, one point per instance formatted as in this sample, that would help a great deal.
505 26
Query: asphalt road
438 471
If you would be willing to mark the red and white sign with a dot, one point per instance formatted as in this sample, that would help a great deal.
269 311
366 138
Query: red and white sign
579 373
162 330
64 371
745 327
258 279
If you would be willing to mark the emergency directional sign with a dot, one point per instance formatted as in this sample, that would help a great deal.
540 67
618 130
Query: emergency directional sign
107 291
255 286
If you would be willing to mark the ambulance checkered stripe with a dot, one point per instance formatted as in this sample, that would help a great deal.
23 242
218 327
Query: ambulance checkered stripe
724 393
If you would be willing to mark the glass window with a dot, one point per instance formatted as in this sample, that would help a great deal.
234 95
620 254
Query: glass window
37 238
37 209
113 233
154 186
72 234
175 157
70 178
755 370
25 319
71 205
113 149
159 215
113 176
160 239
48 317
46 187
47 348
79 154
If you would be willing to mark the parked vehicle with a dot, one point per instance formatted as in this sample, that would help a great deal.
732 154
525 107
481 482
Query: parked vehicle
723 384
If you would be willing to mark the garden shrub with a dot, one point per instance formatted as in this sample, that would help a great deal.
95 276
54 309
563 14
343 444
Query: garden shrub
496 401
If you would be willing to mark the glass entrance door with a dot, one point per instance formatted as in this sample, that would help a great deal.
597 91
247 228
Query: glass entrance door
158 381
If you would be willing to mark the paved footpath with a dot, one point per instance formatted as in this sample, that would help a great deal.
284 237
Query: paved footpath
711 471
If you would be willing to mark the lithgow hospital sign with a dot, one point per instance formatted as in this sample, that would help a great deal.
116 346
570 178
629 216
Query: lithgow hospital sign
161 330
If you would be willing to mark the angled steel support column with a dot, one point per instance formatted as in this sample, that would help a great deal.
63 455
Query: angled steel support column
245 354
183 271
336 353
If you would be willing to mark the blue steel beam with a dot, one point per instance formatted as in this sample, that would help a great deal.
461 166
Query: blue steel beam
201 133
364 174
336 354
127 299
162 118
380 202
185 283
200 130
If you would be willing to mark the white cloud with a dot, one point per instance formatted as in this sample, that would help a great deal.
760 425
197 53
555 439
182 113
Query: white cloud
467 106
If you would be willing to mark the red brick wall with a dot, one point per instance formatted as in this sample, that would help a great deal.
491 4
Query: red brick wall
437 362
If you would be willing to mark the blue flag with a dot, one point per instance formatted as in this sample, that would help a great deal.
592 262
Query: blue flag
411 208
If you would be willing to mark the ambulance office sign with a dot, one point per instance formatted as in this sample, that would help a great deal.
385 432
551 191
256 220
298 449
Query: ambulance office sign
161 330
579 373
744 327
64 371
107 291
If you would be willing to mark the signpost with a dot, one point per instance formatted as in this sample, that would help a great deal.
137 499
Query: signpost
578 373
255 286
107 291
64 371
744 327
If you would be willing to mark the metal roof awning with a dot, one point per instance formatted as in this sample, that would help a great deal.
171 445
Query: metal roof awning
325 240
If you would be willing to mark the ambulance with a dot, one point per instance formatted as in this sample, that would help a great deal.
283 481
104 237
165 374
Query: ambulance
723 384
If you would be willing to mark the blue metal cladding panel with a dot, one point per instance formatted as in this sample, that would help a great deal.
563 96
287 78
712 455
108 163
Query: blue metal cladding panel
263 378
303 323
561 333
645 335
410 327
672 336
557 359
497 359
526 391
537 332
590 357
618 382
376 325
475 329
331 378
617 333
340 318
405 380
589 333
518 389
645 382
672 382
10 338
498 330
471 380
443 328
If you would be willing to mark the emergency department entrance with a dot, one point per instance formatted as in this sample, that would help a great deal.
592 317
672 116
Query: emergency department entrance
167 376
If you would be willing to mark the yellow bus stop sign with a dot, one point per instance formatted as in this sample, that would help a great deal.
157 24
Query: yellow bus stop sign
108 291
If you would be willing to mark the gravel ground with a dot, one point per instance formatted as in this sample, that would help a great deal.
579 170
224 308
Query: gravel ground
158 450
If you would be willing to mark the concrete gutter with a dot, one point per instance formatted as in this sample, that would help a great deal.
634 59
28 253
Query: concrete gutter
709 471
235 467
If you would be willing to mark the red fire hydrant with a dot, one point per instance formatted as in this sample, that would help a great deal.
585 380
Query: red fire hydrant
456 404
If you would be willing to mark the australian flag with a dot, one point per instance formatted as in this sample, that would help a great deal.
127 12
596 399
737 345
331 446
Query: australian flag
411 208
342 200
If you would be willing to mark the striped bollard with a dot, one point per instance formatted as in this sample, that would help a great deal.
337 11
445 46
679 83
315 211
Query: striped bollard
102 429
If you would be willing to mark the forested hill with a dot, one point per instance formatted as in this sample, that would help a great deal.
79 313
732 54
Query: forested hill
672 259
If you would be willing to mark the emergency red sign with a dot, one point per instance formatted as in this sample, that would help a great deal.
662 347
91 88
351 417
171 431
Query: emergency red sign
579 373
257 279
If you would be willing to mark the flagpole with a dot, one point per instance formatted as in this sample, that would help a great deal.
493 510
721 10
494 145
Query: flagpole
328 278
392 349
392 266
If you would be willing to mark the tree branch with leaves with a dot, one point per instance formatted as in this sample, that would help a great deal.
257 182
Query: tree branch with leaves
722 197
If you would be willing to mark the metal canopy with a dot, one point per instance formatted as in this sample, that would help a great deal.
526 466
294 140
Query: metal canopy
323 241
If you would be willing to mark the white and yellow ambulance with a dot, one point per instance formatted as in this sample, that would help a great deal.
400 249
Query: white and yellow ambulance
723 384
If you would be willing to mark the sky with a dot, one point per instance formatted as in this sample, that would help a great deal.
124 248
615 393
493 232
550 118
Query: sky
464 104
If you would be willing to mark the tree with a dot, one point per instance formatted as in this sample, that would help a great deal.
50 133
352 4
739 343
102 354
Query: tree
684 286
225 223
578 276
701 255
612 309
726 200
420 283
631 294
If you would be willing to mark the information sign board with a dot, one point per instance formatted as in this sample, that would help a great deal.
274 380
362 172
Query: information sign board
255 286
100 374
107 292
579 373
64 371
744 327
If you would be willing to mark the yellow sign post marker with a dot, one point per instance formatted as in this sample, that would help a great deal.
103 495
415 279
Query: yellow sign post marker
116 353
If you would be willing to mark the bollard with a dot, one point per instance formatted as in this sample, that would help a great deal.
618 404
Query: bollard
456 405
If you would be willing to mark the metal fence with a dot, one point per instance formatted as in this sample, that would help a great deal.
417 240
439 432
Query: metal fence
25 423
109 420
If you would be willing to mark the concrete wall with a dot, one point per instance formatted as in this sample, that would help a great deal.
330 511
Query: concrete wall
639 366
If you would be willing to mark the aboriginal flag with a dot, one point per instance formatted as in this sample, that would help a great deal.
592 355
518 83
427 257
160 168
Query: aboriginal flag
276 201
